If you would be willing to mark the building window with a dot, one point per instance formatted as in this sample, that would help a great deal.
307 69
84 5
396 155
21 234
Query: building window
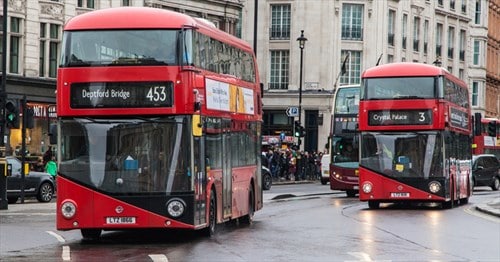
452 4
86 3
440 2
390 59
461 74
477 52
426 35
451 41
477 14
416 33
280 21
15 44
352 67
49 49
462 45
280 68
464 6
352 22
125 2
390 33
439 33
475 93
404 29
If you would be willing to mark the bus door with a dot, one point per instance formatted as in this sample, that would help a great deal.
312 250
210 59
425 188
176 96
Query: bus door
200 179
227 181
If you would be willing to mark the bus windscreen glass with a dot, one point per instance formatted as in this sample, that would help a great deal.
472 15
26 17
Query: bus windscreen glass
417 155
120 47
127 155
399 88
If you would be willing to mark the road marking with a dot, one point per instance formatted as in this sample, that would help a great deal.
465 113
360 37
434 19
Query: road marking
57 236
473 211
363 257
158 257
66 256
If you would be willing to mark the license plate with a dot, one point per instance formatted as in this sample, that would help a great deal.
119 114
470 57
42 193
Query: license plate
120 220
400 194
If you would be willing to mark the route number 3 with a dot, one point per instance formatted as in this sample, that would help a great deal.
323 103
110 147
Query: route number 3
157 94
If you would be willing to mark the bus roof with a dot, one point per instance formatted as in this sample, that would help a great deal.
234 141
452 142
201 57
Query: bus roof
148 18
403 69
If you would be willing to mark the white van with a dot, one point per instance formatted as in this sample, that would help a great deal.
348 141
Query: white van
325 169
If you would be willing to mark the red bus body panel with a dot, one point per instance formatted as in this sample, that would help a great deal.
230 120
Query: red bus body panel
93 208
348 178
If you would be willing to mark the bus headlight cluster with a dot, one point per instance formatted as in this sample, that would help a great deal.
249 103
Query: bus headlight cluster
434 186
176 207
367 187
68 209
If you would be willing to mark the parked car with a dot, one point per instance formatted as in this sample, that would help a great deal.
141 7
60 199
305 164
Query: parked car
325 169
486 171
267 179
36 184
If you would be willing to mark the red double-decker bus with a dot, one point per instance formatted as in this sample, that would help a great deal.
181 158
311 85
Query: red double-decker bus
344 146
486 136
415 136
159 124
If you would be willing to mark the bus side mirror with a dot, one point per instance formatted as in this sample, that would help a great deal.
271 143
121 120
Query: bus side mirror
197 130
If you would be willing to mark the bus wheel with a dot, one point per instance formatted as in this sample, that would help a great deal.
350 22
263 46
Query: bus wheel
91 234
212 216
351 193
251 208
373 204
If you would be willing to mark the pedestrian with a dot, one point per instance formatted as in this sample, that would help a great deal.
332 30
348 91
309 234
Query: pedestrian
51 167
47 156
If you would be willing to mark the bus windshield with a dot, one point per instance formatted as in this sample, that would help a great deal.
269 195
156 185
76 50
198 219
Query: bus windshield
399 88
403 154
347 101
127 156
120 47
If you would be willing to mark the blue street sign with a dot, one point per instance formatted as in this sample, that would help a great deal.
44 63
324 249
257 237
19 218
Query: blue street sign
292 111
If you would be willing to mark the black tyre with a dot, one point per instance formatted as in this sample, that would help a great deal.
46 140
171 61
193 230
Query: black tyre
45 192
495 185
12 200
91 234
373 204
324 181
248 219
212 216
351 193
267 181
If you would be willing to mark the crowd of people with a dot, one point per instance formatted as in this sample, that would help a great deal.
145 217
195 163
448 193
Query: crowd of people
289 164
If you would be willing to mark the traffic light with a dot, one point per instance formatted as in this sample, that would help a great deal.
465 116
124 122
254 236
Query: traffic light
296 131
492 128
12 115
302 131
30 121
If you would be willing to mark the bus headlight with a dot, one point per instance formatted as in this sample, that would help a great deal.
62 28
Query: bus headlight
176 207
434 187
68 209
367 187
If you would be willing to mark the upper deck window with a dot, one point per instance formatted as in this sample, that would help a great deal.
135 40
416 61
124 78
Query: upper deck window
119 47
399 88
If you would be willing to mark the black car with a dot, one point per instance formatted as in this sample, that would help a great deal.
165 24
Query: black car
36 184
267 179
486 171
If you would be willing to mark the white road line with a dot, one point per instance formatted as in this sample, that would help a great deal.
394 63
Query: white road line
363 257
158 258
66 256
57 236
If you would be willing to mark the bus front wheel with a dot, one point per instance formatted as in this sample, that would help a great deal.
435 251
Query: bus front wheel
212 216
373 204
91 234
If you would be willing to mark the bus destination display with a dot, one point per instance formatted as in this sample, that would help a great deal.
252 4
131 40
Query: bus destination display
399 117
122 95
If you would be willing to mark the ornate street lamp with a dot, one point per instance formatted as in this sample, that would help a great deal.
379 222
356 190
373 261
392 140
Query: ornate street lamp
302 42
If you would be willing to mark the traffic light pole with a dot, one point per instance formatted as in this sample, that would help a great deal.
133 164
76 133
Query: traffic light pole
3 98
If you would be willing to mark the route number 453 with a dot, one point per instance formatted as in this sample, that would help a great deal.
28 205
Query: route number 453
157 94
